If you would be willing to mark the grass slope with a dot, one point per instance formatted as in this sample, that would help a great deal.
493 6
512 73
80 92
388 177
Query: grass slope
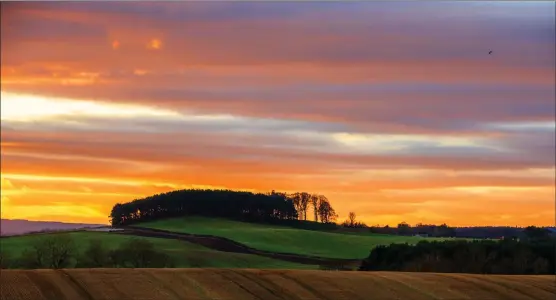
204 284
283 239
185 254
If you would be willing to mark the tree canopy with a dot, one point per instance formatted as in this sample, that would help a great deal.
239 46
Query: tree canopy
239 205
507 256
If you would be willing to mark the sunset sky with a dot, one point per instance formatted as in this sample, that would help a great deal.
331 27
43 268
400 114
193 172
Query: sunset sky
394 110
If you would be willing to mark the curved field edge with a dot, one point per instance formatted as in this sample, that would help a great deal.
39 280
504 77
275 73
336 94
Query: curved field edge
249 284
184 253
282 239
226 245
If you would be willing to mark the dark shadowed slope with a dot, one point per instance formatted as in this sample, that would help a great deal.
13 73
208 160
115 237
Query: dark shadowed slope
192 284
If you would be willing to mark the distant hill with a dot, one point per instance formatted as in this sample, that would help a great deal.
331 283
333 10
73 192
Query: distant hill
17 227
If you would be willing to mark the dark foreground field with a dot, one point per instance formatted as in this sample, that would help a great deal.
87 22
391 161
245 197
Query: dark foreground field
241 284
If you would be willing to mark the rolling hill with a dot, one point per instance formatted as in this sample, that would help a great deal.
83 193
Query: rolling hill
283 239
17 227
185 254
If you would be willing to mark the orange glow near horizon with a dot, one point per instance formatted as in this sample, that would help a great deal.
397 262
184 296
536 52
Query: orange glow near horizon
409 120
155 44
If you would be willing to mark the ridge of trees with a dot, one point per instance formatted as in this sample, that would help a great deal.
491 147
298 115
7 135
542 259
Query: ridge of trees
352 222
403 228
443 230
533 253
291 209
240 205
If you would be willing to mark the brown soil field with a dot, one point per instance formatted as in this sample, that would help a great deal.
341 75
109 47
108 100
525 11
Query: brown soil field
242 284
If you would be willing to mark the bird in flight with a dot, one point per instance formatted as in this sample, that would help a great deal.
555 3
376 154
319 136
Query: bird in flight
490 52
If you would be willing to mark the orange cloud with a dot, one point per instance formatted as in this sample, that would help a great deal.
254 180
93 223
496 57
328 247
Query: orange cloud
155 44
140 72
117 173
395 118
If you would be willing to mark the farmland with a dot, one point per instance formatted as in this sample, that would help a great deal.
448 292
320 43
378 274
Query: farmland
283 239
185 254
205 284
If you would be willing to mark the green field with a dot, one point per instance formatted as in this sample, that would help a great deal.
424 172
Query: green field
284 239
186 255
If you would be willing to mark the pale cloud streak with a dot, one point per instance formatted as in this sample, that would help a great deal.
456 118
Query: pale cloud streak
29 108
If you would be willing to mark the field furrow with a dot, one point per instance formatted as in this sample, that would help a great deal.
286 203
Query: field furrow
250 284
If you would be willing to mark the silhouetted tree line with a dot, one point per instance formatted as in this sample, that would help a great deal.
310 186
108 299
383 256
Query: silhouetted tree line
532 254
134 253
420 229
478 232
352 222
61 251
245 206
489 232
320 205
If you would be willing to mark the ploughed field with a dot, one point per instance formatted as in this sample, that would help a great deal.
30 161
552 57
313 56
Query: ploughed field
192 284
284 239
185 254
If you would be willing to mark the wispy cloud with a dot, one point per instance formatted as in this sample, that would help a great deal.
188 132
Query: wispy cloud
395 110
